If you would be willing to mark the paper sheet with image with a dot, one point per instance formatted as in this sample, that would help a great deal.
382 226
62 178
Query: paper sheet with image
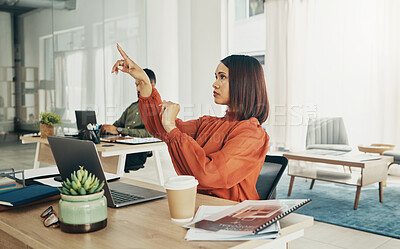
51 171
270 232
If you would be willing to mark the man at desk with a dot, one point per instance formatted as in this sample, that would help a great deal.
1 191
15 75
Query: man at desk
130 124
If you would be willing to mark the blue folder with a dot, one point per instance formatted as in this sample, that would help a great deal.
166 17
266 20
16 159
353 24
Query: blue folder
19 196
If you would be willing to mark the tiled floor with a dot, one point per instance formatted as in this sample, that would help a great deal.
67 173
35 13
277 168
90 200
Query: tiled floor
319 236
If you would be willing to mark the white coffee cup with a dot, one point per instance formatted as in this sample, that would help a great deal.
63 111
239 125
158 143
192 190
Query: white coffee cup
181 194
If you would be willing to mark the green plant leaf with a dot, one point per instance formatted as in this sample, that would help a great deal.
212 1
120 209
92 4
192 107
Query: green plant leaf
49 118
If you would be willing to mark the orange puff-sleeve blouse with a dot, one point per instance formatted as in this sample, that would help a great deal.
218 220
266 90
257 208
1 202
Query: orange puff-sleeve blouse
225 155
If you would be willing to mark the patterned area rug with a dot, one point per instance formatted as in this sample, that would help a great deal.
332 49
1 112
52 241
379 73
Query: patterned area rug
333 203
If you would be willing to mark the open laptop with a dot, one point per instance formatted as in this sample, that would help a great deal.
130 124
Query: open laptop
72 153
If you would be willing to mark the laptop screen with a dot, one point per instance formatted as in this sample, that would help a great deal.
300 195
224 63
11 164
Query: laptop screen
83 118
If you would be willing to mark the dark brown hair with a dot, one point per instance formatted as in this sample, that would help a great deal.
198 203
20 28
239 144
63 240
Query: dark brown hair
247 89
151 75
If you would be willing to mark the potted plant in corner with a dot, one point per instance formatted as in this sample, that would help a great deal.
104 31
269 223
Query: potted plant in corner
83 206
47 122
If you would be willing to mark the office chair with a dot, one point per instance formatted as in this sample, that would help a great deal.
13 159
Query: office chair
270 174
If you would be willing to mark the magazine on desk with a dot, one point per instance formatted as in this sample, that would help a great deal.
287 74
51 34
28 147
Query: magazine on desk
195 234
249 217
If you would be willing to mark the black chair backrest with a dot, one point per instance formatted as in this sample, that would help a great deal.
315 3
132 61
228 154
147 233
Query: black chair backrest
270 174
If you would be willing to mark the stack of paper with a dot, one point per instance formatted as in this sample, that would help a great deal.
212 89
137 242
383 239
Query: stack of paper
46 176
130 140
270 232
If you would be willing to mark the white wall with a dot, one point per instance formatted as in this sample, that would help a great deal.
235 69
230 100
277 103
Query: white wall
248 35
206 54
162 46
185 56
184 49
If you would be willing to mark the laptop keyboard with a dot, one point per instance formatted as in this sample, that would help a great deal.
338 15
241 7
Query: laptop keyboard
119 197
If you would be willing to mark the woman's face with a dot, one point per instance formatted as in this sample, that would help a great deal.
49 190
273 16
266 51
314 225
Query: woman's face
221 85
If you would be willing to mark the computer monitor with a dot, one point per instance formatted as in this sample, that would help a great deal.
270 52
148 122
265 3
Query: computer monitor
83 118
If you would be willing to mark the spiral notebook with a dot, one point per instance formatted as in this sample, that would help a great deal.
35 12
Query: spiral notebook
250 217
194 234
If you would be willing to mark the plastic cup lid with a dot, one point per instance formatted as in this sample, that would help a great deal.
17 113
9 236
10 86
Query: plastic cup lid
181 182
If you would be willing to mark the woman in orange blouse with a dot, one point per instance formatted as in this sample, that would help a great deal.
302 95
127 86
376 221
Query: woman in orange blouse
224 154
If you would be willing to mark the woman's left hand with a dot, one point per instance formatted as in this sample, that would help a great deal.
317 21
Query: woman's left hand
169 111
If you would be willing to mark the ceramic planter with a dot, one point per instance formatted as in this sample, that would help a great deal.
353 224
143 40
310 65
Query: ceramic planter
46 130
83 213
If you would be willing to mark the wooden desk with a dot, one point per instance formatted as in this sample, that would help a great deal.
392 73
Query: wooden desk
112 158
145 225
372 171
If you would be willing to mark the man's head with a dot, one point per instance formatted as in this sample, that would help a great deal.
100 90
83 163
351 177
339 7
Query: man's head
152 77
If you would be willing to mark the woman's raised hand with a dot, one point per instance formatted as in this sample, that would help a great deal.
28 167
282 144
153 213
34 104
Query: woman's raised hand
169 112
127 65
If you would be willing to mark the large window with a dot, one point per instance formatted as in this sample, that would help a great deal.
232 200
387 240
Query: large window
76 57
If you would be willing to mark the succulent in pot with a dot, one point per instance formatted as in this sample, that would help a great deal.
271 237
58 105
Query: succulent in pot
83 206
81 182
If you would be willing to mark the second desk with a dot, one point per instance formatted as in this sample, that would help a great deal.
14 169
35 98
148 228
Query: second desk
110 155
